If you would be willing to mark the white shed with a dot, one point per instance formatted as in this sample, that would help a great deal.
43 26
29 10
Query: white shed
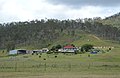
18 52
13 52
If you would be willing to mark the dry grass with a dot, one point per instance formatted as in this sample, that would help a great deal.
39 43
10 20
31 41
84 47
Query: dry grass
64 66
53 75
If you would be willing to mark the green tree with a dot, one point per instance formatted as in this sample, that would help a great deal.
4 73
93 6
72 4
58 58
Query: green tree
55 48
86 47
58 47
73 45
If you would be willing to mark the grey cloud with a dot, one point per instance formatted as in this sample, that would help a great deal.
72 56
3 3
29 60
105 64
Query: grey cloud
75 3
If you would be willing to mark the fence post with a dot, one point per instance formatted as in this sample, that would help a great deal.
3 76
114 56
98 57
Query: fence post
69 66
15 66
23 66
45 67
89 66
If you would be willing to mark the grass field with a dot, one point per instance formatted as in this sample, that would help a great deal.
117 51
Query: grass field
106 65
101 65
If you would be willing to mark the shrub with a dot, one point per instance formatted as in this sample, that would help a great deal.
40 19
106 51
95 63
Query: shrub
36 53
55 48
86 47
49 52
55 56
39 56
32 53
44 59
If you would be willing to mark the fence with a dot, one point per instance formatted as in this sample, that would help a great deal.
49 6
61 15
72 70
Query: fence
51 66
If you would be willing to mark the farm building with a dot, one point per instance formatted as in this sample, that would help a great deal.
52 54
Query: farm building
18 52
45 50
37 51
68 48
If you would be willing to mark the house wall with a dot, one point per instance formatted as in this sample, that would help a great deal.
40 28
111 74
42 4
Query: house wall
67 50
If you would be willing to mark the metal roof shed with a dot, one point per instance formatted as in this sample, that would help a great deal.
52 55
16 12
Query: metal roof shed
13 52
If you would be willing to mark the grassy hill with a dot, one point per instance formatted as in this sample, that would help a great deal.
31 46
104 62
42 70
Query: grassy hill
85 38
42 33
78 40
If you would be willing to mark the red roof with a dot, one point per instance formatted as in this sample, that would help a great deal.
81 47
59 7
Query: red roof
69 46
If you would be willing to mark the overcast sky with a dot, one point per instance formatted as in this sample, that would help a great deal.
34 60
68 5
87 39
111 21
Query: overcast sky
24 10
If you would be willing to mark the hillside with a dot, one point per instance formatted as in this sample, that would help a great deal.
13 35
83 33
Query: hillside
37 34
47 33
85 38
113 20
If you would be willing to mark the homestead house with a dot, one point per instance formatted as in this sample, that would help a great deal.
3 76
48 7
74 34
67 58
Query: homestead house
68 49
